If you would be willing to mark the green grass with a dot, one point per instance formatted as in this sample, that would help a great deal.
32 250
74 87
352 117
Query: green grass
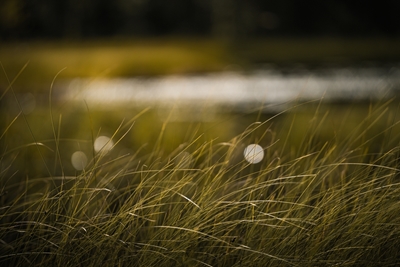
181 194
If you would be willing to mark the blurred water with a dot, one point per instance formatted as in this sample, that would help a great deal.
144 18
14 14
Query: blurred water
270 87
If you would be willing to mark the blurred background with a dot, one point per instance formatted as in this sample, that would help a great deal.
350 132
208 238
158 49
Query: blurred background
232 19
152 37
196 63
131 38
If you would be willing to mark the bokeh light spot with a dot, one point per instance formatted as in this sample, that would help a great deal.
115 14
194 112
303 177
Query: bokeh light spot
253 153
103 143
79 160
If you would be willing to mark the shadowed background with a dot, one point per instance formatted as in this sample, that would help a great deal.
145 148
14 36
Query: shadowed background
22 19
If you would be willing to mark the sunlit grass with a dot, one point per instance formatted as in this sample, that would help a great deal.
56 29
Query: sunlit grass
155 192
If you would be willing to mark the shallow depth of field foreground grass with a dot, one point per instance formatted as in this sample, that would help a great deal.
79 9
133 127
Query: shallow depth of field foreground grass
326 192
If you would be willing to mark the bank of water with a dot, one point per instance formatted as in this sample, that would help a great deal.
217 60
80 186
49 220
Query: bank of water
269 87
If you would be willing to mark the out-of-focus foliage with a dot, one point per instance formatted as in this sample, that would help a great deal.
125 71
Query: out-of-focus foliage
220 18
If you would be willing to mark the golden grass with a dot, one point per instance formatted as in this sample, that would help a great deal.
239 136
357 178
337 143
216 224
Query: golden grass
326 192
181 193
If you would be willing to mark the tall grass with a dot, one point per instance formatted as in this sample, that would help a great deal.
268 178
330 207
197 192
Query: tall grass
326 193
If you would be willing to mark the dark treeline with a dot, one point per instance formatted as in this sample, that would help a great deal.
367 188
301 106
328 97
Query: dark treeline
21 19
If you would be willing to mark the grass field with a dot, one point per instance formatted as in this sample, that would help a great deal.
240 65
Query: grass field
161 192
181 193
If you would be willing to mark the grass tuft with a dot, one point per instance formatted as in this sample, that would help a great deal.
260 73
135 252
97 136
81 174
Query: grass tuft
325 193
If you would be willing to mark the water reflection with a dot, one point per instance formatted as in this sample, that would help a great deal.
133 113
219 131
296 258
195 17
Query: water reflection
238 89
